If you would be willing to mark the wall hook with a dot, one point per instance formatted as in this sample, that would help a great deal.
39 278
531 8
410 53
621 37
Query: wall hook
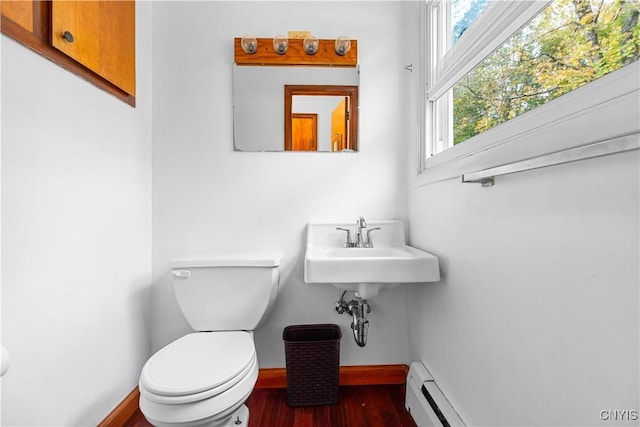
409 68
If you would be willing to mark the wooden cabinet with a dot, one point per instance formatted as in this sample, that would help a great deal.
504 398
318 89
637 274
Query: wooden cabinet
20 12
93 39
103 37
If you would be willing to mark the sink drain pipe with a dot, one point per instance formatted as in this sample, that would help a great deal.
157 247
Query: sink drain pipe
358 309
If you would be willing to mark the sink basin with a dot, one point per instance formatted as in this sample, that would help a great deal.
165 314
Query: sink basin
366 271
398 251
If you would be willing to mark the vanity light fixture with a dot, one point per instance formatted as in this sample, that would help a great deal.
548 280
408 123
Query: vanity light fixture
286 51
280 44
249 44
343 44
310 44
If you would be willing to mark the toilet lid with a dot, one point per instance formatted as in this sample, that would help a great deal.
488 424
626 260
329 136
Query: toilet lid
198 362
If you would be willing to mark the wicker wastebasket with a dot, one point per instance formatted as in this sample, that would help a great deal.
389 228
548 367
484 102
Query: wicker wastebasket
313 364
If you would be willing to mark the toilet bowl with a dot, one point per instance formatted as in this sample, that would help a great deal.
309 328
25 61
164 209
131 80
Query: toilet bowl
204 378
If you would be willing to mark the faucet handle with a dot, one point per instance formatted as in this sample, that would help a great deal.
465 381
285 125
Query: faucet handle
347 243
369 243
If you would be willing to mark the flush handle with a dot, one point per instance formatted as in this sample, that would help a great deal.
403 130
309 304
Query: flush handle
185 274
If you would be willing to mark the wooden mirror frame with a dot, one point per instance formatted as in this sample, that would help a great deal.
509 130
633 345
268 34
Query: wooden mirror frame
321 90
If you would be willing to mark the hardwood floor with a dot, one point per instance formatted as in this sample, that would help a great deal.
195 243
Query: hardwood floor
366 406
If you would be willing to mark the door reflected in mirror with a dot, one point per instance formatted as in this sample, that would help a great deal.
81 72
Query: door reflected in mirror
304 132
261 121
320 118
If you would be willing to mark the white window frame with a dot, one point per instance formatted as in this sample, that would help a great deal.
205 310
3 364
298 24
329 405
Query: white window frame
603 109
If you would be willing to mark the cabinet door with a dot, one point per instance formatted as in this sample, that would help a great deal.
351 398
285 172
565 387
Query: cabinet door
20 12
100 35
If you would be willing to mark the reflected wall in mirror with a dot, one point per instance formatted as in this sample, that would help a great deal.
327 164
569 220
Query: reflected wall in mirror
259 106
320 118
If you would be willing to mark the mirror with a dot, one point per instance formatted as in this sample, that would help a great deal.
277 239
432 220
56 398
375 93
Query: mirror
286 108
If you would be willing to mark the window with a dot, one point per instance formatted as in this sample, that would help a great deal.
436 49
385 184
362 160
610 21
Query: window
488 62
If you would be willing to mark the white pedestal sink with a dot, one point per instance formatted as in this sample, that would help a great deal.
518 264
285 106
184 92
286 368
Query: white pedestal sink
365 271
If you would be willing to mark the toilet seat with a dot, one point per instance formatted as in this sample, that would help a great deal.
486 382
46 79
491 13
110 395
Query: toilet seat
201 375
199 362
195 397
216 408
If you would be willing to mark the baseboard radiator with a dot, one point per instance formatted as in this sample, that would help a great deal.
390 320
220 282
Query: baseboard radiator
426 403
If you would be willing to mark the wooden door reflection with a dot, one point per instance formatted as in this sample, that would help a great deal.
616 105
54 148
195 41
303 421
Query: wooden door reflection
304 132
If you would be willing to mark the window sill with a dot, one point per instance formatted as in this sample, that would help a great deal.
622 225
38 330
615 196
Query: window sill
603 109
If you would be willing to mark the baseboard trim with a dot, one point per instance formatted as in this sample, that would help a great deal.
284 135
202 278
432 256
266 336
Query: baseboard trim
349 375
123 412
277 378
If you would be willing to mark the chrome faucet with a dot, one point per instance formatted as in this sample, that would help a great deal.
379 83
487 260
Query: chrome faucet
359 242
369 243
347 243
360 224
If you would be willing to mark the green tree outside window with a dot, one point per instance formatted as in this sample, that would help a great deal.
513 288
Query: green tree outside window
570 43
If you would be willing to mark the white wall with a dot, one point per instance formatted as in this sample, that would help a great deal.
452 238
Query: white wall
535 320
206 196
76 242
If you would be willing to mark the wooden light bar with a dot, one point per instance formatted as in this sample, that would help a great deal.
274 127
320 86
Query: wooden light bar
326 55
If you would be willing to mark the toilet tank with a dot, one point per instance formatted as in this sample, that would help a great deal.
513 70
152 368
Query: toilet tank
226 290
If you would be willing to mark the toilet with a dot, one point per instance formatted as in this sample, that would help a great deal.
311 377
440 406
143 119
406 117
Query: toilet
204 378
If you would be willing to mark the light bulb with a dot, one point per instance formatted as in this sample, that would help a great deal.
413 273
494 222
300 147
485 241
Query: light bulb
249 44
343 44
280 44
310 44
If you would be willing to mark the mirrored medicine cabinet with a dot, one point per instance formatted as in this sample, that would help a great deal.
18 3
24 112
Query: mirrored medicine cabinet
295 108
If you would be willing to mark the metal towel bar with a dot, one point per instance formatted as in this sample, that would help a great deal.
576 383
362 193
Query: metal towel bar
598 149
